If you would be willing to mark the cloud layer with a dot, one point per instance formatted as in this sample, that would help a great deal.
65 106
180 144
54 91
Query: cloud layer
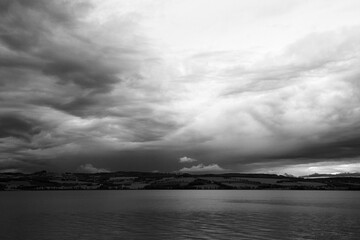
84 82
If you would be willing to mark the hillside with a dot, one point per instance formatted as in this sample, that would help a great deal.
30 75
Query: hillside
144 180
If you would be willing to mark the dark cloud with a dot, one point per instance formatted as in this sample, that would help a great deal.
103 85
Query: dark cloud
70 83
79 106
18 127
49 39
147 129
342 148
83 73
22 143
25 24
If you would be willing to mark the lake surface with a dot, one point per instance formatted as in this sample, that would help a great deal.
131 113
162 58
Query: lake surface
179 214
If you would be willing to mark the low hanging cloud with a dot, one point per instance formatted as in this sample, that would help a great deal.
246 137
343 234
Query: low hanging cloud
203 168
89 168
186 160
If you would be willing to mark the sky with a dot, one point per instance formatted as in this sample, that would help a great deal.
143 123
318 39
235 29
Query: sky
180 85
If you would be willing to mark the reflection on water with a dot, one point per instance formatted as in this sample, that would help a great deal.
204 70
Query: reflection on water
178 214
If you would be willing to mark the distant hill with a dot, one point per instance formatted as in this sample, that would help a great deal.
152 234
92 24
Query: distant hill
44 180
317 175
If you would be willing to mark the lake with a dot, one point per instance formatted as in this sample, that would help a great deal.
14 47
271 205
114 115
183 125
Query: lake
179 214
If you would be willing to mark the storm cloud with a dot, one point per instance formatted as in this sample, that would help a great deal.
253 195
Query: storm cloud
138 86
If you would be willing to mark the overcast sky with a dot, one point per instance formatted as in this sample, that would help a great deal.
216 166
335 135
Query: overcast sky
180 85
